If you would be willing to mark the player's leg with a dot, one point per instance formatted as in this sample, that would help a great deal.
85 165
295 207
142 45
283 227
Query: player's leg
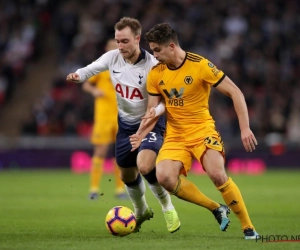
120 192
136 189
146 163
101 139
168 175
171 163
120 187
96 170
213 163
132 179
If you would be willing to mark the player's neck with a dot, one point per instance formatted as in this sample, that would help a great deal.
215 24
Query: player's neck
178 59
134 57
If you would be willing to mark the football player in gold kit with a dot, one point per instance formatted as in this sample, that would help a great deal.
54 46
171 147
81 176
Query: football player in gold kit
105 127
183 81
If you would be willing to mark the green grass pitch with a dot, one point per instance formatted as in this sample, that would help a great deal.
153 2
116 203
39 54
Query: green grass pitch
49 210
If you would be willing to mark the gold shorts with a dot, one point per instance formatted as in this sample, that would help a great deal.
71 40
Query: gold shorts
187 151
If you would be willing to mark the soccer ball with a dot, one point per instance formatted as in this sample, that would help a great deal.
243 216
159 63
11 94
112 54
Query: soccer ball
120 221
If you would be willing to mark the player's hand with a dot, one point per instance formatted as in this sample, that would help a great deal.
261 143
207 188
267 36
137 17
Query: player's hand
249 140
148 118
73 77
135 141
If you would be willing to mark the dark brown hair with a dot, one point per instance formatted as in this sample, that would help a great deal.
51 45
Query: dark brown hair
161 33
132 23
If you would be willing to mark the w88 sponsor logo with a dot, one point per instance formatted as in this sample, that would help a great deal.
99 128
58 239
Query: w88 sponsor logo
176 102
175 96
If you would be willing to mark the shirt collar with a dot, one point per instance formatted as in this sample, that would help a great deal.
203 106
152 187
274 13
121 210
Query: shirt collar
141 56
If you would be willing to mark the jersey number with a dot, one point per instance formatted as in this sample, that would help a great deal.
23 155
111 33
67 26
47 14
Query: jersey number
211 141
152 137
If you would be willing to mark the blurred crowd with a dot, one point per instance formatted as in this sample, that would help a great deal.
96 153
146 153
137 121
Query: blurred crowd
256 43
21 25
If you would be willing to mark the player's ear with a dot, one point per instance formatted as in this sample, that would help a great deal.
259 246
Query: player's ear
138 38
172 46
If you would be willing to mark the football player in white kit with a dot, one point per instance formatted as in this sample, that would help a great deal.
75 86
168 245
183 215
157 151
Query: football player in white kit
128 66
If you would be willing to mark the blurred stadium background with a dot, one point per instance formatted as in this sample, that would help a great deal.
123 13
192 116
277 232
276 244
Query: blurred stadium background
44 120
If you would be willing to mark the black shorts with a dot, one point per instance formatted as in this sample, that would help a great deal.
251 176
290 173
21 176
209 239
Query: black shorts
125 158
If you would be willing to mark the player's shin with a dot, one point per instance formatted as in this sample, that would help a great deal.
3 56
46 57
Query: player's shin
96 173
159 192
119 183
186 190
233 198
136 191
170 214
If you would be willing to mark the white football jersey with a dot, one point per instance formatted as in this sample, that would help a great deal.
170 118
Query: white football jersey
129 81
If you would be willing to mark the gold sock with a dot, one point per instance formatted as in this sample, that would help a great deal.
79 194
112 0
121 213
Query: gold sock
119 183
186 190
96 173
233 198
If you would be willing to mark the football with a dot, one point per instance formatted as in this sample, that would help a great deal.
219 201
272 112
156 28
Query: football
120 221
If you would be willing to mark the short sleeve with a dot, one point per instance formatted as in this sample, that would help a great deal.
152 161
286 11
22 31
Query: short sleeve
152 85
211 74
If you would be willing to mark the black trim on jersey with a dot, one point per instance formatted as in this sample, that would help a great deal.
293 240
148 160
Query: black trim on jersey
152 94
180 64
218 82
142 55
193 57
159 63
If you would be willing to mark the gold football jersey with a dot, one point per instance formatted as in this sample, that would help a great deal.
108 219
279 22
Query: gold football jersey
186 92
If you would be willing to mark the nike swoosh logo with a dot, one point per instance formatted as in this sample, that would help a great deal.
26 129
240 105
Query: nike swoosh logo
116 72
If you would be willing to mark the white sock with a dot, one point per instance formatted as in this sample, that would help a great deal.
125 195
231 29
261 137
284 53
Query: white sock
162 195
137 196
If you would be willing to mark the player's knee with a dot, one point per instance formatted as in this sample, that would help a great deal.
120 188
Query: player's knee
166 181
218 178
145 168
100 151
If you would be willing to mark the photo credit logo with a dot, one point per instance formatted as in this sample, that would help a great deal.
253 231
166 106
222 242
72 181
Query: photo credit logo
278 238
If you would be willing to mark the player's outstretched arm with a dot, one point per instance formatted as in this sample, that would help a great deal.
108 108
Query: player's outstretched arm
227 87
94 68
148 121
136 139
